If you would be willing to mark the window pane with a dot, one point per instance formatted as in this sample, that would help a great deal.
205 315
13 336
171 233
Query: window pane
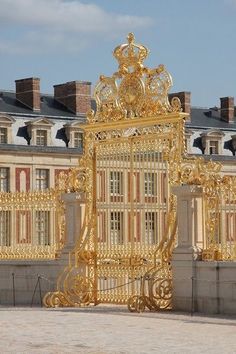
78 140
5 224
213 147
4 179
150 228
116 183
3 135
116 227
41 137
150 184
42 179
42 224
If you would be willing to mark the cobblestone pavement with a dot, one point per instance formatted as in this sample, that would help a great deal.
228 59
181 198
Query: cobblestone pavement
112 329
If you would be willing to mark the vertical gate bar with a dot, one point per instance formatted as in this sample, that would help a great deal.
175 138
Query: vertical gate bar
137 210
230 198
139 244
106 194
122 164
154 196
148 198
163 193
95 225
131 209
145 196
157 168
126 288
109 201
118 214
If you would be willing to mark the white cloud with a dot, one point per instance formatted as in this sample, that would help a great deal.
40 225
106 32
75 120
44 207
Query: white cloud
53 23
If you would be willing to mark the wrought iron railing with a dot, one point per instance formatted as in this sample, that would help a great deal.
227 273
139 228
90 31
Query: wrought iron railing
31 225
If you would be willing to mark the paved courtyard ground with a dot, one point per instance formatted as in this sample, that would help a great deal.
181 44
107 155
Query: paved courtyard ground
110 329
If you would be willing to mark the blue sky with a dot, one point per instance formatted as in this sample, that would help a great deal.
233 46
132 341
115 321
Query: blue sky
65 40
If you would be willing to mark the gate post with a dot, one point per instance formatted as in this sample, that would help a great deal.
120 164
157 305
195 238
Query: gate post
74 215
190 224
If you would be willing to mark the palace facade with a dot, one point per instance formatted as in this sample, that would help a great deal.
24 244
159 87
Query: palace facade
40 135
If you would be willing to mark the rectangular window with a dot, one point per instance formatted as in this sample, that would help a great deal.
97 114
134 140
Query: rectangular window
5 228
41 137
78 140
42 224
213 147
151 228
3 135
150 184
42 179
4 179
116 183
116 228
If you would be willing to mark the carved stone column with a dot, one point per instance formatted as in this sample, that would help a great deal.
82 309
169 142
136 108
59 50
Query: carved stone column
190 241
189 217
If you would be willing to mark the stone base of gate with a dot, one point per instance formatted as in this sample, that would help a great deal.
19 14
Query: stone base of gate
26 275
201 286
198 286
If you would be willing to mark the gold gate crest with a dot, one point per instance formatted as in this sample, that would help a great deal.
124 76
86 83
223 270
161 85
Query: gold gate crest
124 248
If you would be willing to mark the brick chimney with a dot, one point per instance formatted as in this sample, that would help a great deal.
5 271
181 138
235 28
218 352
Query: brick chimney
227 109
74 95
28 92
185 99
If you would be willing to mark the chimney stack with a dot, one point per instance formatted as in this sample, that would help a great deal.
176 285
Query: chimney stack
28 92
74 95
185 99
227 109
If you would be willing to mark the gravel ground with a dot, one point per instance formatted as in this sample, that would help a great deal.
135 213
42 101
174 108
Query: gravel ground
112 329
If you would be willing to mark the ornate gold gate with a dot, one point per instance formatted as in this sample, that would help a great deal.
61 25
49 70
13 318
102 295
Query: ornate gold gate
123 252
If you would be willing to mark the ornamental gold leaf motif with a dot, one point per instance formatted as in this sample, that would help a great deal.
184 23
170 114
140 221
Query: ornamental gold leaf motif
134 91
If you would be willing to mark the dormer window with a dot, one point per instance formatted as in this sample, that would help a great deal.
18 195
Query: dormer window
74 134
41 137
6 122
39 131
212 142
3 135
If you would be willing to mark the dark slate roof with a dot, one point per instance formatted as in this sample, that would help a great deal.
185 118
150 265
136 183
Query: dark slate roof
49 107
216 158
40 149
200 117
208 118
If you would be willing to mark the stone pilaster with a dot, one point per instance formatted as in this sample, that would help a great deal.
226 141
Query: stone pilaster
190 242
74 214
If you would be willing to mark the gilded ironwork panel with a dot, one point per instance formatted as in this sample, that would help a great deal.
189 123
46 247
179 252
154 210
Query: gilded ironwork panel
32 225
123 252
